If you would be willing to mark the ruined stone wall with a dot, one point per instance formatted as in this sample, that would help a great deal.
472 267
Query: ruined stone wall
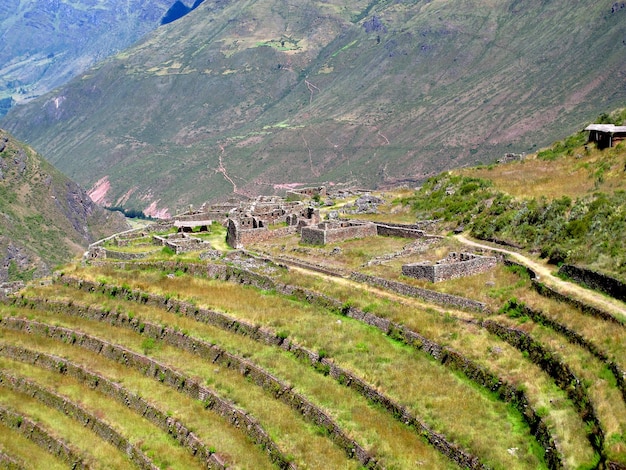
331 233
453 267
313 236
393 230
236 237
426 294
419 271
126 256
181 244
232 234
97 251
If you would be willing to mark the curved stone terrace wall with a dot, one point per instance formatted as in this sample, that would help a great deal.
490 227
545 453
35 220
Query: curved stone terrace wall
40 436
238 417
119 393
216 355
322 364
64 405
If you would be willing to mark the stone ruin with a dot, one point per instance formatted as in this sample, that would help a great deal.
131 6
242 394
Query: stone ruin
250 223
511 157
365 204
456 265
330 232
303 193
188 226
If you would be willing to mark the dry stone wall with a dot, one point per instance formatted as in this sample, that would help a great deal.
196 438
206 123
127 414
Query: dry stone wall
426 294
116 391
164 374
456 265
215 355
560 372
40 436
389 230
324 365
333 232
9 462
78 413
598 281
238 237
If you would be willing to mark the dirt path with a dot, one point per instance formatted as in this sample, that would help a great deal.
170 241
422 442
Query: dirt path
382 293
544 271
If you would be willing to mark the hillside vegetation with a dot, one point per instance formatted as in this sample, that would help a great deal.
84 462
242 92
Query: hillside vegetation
288 355
46 44
566 202
46 218
246 97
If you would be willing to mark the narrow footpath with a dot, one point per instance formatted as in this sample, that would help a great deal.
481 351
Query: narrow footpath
544 273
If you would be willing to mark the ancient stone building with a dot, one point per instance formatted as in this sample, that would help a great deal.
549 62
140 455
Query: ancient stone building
454 266
302 193
251 223
330 232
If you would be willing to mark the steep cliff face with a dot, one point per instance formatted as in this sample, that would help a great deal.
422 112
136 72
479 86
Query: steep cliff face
45 219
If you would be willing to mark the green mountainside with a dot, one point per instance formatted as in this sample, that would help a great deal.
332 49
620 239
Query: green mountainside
253 96
46 219
45 44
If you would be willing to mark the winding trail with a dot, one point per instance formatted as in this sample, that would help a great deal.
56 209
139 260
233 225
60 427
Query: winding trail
544 273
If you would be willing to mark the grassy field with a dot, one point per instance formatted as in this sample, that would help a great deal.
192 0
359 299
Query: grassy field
327 371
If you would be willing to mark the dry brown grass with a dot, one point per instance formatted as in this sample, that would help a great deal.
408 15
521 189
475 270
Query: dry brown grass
294 437
572 176
393 443
464 413
209 427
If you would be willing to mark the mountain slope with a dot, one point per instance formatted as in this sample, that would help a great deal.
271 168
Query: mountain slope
45 219
44 44
248 96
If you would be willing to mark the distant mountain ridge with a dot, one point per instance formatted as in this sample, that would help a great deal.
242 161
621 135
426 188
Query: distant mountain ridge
44 44
45 219
241 98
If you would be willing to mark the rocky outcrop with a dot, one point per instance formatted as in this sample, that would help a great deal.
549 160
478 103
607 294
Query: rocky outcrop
46 218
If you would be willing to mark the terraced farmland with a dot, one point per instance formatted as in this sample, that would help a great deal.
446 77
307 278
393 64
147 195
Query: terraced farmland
263 361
